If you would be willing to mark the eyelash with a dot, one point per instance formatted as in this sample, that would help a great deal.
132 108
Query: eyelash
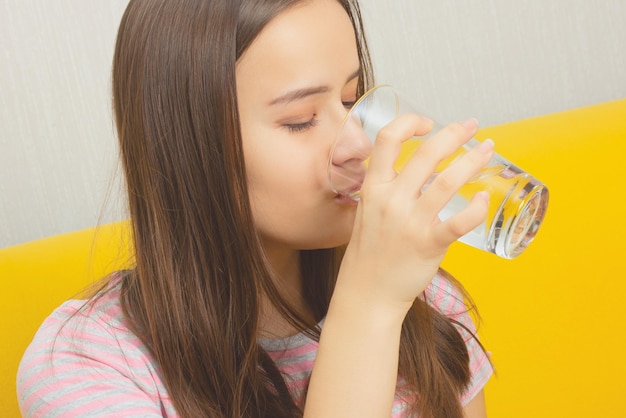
301 127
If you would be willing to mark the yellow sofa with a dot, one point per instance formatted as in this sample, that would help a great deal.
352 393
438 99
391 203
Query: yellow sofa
551 317
38 276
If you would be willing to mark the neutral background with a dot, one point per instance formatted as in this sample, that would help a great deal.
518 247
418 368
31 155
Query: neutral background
496 60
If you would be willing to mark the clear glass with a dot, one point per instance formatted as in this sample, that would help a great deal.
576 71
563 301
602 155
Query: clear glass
518 201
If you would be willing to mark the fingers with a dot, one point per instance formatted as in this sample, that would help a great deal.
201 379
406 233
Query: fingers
388 144
448 182
463 222
408 184
443 188
439 147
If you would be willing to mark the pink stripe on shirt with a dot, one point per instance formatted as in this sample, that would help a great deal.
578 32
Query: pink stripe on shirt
88 362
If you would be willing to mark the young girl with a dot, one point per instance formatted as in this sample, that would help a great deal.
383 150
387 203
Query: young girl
245 300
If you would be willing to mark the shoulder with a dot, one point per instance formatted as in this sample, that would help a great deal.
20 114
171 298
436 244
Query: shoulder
85 359
87 325
444 295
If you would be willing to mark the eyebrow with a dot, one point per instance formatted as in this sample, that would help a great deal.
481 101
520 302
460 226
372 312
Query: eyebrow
306 92
299 94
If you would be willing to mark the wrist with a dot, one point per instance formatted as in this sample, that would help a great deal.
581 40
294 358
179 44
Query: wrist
360 305
363 290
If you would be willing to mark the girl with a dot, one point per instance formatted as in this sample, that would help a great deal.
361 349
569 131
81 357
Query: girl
245 300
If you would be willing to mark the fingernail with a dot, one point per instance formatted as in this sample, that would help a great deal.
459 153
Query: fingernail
485 146
471 123
484 195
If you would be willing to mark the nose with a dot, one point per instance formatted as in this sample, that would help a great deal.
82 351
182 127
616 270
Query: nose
349 156
352 142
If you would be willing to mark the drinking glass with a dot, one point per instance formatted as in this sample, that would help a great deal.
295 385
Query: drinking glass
517 203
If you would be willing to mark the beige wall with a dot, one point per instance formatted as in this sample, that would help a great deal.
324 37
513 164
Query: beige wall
56 134
501 60
496 60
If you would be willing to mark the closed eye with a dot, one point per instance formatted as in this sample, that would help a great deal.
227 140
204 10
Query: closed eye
301 127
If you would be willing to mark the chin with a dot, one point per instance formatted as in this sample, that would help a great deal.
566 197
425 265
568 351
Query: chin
335 238
339 238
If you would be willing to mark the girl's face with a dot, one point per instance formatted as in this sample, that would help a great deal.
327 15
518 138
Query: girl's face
294 84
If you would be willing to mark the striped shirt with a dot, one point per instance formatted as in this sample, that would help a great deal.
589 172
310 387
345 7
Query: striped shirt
88 363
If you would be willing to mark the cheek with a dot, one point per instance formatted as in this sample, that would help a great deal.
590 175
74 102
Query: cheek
290 199
283 167
274 171
282 184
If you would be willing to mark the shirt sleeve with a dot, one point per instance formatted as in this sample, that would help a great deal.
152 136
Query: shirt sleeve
447 299
77 367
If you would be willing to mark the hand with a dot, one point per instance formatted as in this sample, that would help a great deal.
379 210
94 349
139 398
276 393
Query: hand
398 240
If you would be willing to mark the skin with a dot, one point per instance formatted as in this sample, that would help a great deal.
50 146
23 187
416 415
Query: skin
295 83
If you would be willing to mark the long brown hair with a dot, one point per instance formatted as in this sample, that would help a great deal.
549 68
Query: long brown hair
193 296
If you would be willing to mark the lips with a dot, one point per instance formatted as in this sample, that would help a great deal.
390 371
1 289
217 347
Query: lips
346 180
350 200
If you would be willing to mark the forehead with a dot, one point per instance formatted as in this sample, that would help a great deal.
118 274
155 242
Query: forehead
312 41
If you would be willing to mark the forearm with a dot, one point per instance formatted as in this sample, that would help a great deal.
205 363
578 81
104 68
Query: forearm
355 372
